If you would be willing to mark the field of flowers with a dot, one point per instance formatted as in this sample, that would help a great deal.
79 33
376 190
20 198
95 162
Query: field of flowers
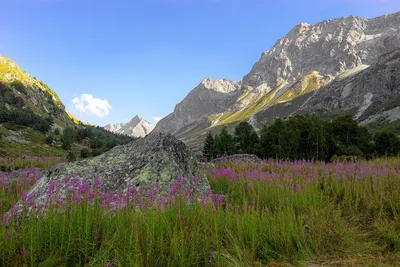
274 212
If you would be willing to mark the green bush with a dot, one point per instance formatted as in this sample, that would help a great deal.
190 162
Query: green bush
387 144
20 87
68 138
71 156
85 153
49 139
96 152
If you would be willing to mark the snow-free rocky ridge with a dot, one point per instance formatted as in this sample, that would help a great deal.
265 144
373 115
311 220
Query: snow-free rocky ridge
308 58
136 127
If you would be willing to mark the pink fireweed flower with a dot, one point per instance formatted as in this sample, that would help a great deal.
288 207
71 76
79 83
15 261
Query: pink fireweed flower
23 252
196 181
8 236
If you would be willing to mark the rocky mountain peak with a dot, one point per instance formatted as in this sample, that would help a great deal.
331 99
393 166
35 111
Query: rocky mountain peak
136 119
329 47
308 58
220 85
209 97
136 127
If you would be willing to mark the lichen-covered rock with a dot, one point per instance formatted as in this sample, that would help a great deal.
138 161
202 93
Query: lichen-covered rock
154 161
239 157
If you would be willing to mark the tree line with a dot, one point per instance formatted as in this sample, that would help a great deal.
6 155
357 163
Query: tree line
303 137
25 117
97 139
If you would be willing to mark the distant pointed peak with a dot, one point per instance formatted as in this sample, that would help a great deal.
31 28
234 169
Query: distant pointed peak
207 81
301 27
223 85
138 117
304 24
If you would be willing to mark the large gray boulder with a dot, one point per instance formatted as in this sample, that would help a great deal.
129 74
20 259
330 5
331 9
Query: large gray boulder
154 161
239 157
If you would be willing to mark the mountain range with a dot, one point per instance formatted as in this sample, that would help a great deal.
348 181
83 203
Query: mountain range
348 65
136 127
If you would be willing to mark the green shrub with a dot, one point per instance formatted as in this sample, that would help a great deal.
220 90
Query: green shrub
68 138
20 87
71 156
49 139
85 153
96 152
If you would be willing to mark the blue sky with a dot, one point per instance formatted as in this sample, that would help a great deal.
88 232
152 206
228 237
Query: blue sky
115 59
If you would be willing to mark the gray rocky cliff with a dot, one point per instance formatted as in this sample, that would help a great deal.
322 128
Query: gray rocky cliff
308 58
209 97
136 127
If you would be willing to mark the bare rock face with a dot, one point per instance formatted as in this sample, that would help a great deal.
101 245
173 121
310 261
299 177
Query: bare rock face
154 161
136 127
363 95
329 47
369 95
209 97
308 58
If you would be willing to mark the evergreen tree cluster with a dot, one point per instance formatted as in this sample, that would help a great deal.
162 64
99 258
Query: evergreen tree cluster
245 140
304 137
97 138
25 117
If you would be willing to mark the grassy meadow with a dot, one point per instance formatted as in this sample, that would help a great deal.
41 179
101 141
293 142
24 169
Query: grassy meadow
275 213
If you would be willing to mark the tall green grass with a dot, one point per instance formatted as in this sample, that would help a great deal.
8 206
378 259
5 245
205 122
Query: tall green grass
271 212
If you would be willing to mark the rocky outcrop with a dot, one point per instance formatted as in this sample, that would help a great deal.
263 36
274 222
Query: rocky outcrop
154 161
329 47
209 97
367 93
239 157
308 58
136 127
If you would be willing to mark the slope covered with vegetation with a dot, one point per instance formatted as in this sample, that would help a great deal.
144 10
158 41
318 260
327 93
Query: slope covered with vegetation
35 124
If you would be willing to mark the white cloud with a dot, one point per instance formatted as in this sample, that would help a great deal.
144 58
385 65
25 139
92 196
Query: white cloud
157 118
88 105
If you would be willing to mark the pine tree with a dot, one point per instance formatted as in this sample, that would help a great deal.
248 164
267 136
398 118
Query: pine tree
386 144
226 144
208 147
245 137
68 138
